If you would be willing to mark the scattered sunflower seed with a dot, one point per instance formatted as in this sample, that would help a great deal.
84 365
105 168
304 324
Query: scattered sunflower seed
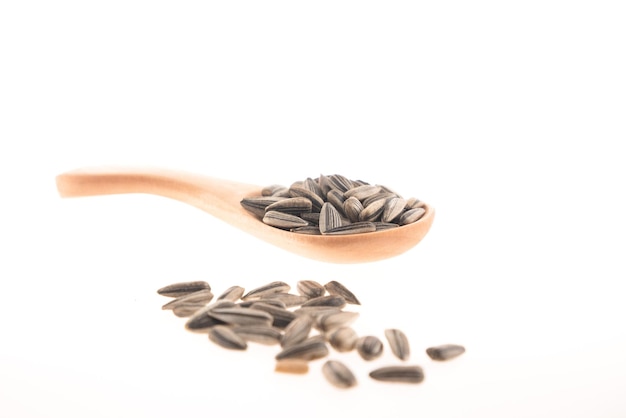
288 299
331 301
184 310
400 374
281 316
267 301
232 294
227 338
184 288
338 374
238 316
331 321
445 352
259 334
310 289
201 321
399 343
343 339
297 331
201 296
369 347
310 349
273 287
316 311
335 288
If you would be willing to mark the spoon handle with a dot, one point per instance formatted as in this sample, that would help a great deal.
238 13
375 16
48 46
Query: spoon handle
216 196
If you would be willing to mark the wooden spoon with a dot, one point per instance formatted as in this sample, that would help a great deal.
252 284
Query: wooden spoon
221 198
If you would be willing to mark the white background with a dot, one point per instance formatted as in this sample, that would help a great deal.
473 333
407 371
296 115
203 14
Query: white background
507 117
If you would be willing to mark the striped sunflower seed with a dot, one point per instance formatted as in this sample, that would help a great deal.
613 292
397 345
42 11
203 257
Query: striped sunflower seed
362 192
271 189
338 374
201 296
400 374
445 351
200 321
373 211
232 294
336 199
225 337
335 288
399 343
343 339
315 201
332 321
393 208
412 215
238 316
292 206
293 366
313 186
316 311
288 299
309 349
283 220
281 316
270 288
353 228
307 230
414 203
383 226
257 205
310 289
330 218
330 301
185 310
259 334
297 331
340 183
311 217
184 288
369 347
267 301
352 207
382 195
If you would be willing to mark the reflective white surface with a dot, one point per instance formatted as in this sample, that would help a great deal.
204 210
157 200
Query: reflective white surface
508 120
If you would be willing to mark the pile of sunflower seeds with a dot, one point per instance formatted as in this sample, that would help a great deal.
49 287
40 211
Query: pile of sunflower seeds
333 205
302 324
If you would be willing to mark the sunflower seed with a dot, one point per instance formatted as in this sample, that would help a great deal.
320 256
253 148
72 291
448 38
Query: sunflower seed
183 288
267 301
331 301
310 289
343 339
257 205
369 347
201 296
324 183
200 321
238 316
352 207
309 349
329 218
380 196
297 331
338 374
232 294
281 316
185 310
293 366
270 190
307 230
355 228
362 192
335 288
383 226
411 215
399 343
393 208
315 202
331 321
259 334
283 220
445 352
292 206
339 182
336 198
288 299
373 211
313 186
401 374
311 217
225 337
414 203
270 288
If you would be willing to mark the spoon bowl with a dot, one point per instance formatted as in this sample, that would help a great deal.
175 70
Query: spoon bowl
221 198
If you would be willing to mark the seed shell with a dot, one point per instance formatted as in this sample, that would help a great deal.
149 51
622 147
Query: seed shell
309 349
330 218
310 289
297 331
183 288
338 374
352 207
369 347
412 215
399 343
232 294
373 211
201 321
362 192
331 301
399 374
225 337
445 351
201 296
343 339
293 205
315 202
393 208
283 220
239 316
335 288
185 310
273 287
